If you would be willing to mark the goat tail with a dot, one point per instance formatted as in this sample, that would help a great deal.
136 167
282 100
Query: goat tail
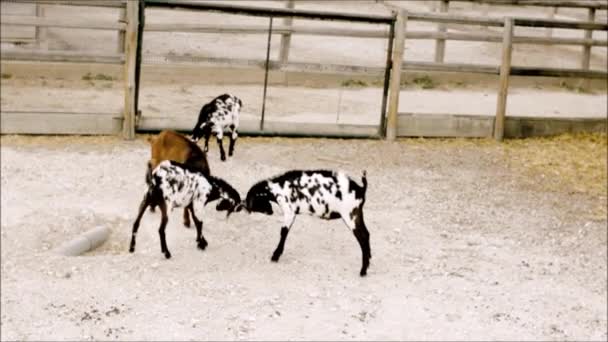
364 181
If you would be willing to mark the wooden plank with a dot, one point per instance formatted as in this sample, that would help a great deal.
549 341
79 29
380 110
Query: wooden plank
453 19
451 67
440 43
445 125
61 56
481 126
395 81
252 127
128 126
371 33
286 37
59 123
88 3
558 72
560 41
582 25
503 88
525 127
543 3
378 71
268 12
24 20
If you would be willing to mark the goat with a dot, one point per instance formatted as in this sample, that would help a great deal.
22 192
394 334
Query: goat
326 194
170 145
215 116
176 185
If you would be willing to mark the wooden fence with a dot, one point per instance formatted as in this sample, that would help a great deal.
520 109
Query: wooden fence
127 21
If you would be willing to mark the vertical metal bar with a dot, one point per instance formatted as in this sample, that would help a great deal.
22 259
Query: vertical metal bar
266 74
387 78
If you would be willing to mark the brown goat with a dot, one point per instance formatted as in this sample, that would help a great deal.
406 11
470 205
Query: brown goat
170 145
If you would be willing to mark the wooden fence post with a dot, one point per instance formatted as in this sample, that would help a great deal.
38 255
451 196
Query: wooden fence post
552 13
41 32
122 16
286 37
585 62
503 87
395 82
128 124
440 42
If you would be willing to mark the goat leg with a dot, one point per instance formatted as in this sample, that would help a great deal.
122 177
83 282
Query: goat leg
222 152
142 208
233 137
161 230
186 218
200 239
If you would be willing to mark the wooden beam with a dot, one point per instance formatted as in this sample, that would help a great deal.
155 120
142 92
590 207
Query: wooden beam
440 43
395 82
503 88
128 127
286 37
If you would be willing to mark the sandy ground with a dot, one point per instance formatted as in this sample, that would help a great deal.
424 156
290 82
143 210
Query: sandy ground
466 246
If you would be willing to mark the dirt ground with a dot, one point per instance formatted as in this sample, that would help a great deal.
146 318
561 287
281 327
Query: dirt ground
470 240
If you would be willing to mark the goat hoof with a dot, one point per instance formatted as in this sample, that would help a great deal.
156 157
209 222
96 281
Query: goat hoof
363 273
275 258
167 255
223 158
202 245
187 224
131 249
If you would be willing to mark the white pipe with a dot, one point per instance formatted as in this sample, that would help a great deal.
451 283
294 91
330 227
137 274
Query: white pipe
85 242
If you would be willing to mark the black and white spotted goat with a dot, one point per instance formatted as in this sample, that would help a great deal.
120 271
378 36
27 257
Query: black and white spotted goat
221 113
326 194
177 185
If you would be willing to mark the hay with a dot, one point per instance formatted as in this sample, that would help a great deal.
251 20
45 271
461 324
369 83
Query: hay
572 163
